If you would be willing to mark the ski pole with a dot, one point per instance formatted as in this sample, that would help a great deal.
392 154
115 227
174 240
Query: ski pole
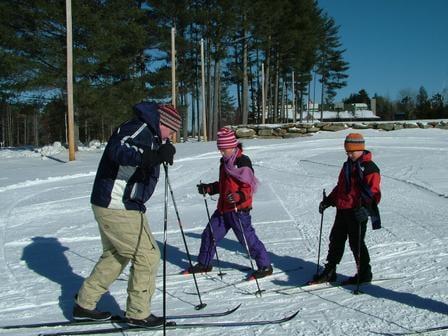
247 250
358 264
213 236
165 229
320 234
201 304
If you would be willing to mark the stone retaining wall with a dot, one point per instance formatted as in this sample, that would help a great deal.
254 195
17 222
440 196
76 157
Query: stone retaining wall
291 130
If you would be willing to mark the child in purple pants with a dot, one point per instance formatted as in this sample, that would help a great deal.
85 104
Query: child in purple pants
235 187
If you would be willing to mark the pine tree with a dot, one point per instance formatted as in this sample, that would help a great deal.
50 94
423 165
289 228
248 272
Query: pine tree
436 102
422 104
330 64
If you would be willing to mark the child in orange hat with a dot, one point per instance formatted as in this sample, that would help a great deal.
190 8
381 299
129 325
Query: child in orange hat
355 197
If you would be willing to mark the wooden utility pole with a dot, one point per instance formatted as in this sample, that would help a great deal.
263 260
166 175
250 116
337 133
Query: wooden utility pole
173 66
204 103
245 95
293 98
263 96
70 115
173 73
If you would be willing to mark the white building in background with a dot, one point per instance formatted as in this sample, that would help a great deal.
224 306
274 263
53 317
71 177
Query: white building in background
359 107
358 111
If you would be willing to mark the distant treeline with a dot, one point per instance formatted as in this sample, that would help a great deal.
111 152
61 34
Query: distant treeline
122 56
409 105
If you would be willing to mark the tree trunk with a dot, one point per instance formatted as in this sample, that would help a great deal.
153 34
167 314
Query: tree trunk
322 100
9 125
245 93
253 96
209 91
185 112
103 136
276 89
3 130
17 132
216 92
239 116
286 104
267 78
267 90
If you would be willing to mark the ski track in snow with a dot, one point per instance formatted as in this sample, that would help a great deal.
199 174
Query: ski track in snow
413 242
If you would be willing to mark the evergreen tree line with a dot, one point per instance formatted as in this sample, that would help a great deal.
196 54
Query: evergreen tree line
409 106
122 55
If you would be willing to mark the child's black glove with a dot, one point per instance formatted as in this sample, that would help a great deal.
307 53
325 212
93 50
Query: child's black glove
204 188
323 205
361 214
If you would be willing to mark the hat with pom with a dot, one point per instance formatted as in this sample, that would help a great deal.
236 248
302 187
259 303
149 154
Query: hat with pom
226 139
169 116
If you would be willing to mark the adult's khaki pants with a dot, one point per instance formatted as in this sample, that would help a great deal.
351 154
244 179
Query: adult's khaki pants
125 236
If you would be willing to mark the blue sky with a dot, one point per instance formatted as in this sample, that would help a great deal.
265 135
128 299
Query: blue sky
392 45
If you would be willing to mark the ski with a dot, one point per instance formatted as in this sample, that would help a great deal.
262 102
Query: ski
421 331
305 288
245 280
215 271
116 319
172 325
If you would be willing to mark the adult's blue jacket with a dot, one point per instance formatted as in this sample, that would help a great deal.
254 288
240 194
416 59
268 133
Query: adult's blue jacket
121 182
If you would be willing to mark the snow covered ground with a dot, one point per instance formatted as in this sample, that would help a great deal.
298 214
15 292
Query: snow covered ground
49 239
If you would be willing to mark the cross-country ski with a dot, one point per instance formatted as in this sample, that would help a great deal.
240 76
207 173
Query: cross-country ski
198 325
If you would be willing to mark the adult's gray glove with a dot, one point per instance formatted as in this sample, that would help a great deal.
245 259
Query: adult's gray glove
166 153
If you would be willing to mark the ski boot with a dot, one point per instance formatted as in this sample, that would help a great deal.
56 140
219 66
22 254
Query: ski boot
327 275
83 314
199 268
150 321
365 277
261 273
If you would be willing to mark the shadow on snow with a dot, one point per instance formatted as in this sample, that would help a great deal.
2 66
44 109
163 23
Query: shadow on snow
46 256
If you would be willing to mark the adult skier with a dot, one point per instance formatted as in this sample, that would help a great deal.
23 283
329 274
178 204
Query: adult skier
127 175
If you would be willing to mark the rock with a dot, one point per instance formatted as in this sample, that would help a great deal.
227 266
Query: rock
265 132
245 132
359 126
441 126
321 125
398 127
410 125
307 125
386 127
422 125
295 135
297 130
333 127
268 137
269 126
279 131
312 130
